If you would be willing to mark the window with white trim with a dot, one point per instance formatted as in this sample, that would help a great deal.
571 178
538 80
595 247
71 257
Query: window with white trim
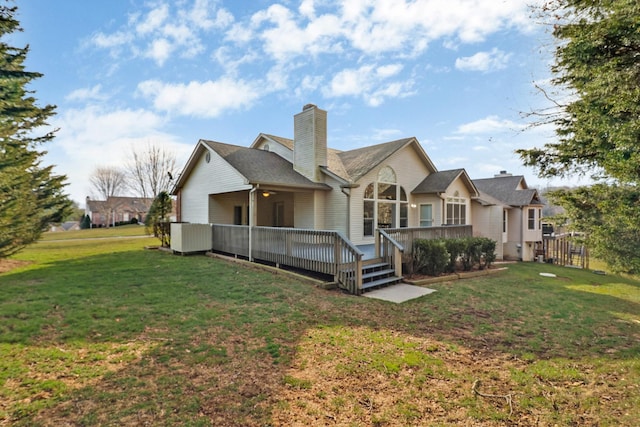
426 215
456 210
385 203
531 219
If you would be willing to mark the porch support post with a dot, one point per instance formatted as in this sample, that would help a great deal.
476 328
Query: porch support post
397 261
252 197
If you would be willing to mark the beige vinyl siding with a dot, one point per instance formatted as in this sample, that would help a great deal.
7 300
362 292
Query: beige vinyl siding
265 209
214 177
335 207
534 235
487 222
303 210
410 171
221 206
425 199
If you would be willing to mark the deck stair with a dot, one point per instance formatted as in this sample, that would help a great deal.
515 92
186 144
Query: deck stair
376 273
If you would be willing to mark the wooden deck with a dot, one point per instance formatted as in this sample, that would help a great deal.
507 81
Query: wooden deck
326 252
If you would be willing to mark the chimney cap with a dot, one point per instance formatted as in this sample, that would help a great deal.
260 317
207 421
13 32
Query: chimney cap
503 173
308 106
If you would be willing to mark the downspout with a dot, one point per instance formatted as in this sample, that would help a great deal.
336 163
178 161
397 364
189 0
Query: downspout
521 233
251 220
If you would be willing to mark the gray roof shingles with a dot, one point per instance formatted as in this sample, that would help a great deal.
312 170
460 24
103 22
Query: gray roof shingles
437 182
360 161
260 166
505 189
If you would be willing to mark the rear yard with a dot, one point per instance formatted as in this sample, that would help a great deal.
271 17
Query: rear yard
103 332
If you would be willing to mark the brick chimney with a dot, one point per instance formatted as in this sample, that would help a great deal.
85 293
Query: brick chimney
310 142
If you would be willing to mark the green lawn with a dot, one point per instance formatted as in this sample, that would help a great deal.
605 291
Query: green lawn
104 332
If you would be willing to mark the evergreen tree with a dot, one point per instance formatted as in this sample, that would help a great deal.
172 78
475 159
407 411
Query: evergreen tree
157 220
597 64
85 223
31 195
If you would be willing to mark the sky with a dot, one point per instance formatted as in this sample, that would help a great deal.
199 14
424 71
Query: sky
459 75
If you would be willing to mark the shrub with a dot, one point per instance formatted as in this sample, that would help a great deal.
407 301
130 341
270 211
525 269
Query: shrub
455 248
472 253
434 257
431 256
488 252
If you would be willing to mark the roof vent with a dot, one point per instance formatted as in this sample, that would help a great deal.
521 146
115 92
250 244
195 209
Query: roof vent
502 173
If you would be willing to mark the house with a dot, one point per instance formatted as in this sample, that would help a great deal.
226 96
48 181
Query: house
302 183
509 212
105 213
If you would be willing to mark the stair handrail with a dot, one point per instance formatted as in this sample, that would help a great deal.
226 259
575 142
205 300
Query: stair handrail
395 259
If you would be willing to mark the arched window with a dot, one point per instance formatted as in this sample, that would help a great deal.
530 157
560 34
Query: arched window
385 203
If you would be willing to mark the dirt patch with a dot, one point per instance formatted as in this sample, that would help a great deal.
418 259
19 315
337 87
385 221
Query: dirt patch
7 265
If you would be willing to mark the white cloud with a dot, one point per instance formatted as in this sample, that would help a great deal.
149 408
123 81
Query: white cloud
162 31
200 99
99 136
111 41
369 82
86 94
154 20
484 61
386 134
490 124
159 50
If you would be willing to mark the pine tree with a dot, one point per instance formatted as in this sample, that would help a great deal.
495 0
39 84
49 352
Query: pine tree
31 195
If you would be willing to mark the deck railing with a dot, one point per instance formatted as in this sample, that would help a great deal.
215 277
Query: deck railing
322 251
406 236
389 250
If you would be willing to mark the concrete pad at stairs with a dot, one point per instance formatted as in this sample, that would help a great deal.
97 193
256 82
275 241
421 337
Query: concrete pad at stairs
399 293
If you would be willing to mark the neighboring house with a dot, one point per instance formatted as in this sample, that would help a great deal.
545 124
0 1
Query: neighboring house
66 226
510 213
302 183
105 213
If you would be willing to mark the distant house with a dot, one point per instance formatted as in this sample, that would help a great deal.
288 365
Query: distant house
301 183
66 226
106 213
509 212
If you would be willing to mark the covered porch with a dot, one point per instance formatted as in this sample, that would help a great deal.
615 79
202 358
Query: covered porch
266 206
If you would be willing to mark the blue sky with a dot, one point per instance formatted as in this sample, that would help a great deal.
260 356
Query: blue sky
456 74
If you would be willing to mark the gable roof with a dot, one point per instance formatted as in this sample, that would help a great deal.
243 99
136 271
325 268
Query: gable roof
505 189
439 182
361 161
280 140
256 166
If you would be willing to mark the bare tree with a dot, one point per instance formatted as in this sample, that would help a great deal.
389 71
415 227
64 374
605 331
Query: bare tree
108 182
150 171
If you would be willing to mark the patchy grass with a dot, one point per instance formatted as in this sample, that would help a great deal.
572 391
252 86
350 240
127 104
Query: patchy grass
101 332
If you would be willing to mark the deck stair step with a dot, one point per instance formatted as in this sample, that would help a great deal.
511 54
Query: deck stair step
381 282
378 273
378 265
386 272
